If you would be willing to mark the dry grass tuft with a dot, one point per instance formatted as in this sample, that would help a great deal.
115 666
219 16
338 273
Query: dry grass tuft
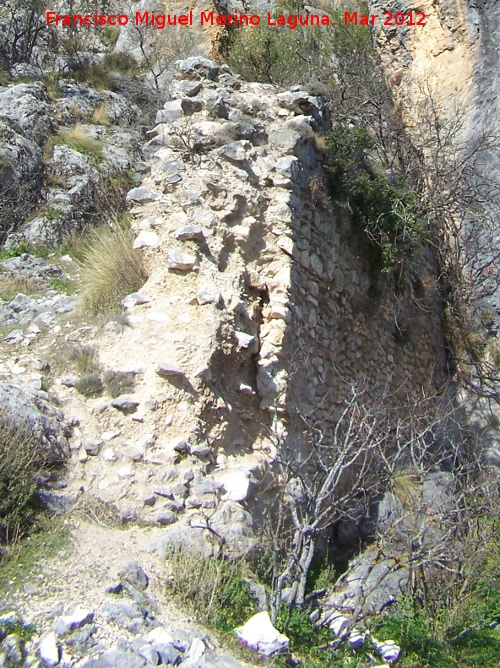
90 386
407 487
110 269
319 143
92 509
10 286
101 116
79 138
85 359
117 382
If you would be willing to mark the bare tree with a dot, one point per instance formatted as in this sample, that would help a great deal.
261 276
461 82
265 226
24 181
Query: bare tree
22 29
159 48
338 466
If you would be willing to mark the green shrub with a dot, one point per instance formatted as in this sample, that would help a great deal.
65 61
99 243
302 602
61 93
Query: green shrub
4 77
262 54
117 382
119 61
23 631
413 634
20 462
109 35
90 386
14 251
386 213
452 628
215 592
316 57
110 269
98 76
425 647
93 75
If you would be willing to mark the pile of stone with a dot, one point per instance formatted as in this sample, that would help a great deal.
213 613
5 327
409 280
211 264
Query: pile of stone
124 633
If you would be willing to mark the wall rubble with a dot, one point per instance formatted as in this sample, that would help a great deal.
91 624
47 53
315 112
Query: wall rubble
260 294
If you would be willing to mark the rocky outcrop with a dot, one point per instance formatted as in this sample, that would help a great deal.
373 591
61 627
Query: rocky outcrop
453 61
26 407
29 315
54 189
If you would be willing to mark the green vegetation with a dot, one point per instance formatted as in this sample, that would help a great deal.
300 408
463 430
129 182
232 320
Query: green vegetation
52 81
119 61
216 593
211 589
450 618
109 35
23 631
431 643
386 213
266 55
93 75
4 77
343 66
62 285
20 463
110 269
14 251
52 215
98 76
304 56
47 537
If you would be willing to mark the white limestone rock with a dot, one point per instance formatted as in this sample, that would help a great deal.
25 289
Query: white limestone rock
143 195
260 635
147 239
180 261
48 650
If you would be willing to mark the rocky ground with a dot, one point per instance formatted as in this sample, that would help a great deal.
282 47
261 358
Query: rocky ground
109 609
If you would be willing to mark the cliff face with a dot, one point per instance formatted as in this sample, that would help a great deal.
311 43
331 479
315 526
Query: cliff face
436 59
485 17
485 122
453 61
